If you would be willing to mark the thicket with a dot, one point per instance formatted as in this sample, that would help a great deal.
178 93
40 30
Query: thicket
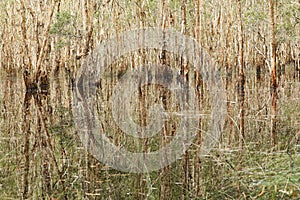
43 44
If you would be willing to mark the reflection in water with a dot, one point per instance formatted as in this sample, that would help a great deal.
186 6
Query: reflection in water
36 134
42 142
41 156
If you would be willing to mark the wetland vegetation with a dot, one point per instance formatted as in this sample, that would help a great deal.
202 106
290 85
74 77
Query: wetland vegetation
255 45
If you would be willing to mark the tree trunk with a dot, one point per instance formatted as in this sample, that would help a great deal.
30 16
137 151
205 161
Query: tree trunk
273 84
241 76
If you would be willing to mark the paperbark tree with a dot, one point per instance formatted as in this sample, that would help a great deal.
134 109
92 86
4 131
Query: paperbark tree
273 84
241 76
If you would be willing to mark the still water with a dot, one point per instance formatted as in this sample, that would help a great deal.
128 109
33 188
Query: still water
42 157
37 139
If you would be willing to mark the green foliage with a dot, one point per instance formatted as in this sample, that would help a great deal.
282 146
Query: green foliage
288 21
253 16
60 44
4 6
63 25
